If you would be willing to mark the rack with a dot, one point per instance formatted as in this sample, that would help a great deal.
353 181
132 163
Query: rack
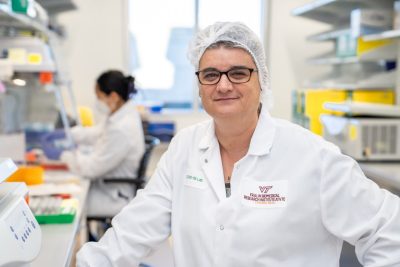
20 21
362 86
336 12
328 35
45 39
365 109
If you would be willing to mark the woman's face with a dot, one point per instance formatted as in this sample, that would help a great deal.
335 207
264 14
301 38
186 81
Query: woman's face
110 100
226 99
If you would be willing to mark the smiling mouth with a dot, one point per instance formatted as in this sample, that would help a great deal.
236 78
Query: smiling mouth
226 98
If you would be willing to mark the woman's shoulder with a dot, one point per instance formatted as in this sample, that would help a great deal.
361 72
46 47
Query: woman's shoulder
195 131
296 135
192 135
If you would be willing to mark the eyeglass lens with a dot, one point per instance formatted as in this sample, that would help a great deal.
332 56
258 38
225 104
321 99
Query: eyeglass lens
236 75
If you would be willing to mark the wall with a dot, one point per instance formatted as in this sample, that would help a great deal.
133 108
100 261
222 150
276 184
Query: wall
94 43
288 50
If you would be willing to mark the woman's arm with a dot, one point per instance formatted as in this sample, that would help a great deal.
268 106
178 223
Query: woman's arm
140 227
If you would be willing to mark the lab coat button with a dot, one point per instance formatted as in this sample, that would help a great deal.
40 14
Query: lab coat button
221 227
206 160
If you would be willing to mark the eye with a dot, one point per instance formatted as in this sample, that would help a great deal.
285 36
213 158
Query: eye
210 75
239 74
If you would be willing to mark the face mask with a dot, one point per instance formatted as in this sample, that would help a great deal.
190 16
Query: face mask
102 107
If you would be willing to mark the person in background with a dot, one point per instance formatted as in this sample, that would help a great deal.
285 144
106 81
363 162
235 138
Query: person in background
111 149
246 189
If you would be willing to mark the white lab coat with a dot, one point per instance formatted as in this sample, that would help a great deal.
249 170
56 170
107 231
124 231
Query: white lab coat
295 197
117 146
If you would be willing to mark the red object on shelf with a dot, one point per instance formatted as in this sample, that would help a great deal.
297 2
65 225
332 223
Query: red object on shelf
46 77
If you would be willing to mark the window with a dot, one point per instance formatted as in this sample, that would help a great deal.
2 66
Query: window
158 43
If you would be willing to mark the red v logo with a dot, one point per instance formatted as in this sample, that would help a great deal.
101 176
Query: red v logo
265 189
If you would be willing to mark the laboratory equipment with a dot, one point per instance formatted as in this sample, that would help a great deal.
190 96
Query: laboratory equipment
54 209
20 233
364 138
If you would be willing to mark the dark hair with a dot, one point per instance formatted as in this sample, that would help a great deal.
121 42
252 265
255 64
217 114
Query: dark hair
115 81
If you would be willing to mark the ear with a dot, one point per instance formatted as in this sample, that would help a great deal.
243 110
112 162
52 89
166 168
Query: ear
114 96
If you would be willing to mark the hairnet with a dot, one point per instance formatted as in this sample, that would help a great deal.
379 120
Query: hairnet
243 37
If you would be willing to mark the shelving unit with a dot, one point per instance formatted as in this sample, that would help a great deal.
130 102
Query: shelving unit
328 35
36 28
362 85
336 12
20 21
365 109
386 53
393 34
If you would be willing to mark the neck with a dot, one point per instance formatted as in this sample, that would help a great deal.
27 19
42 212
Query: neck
118 105
234 136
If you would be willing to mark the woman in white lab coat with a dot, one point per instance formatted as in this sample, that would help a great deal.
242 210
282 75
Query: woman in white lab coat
113 148
245 189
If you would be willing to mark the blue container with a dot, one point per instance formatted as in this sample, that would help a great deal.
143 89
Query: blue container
162 130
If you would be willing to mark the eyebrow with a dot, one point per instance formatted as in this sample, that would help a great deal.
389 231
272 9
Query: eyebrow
232 68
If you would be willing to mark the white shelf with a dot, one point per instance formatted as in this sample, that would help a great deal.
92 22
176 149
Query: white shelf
371 81
7 167
393 34
333 60
351 86
328 35
383 53
21 21
336 12
357 108
34 68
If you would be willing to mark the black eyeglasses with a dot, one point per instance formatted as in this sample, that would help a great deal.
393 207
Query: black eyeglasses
235 75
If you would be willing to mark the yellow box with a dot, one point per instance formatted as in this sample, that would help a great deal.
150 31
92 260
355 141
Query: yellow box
314 100
30 175
364 47
309 103
378 97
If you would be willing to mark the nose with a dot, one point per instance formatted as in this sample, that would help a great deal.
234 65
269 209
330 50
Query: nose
224 85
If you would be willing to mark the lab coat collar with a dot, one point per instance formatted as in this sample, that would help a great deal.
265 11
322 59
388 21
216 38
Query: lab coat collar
261 141
263 136
122 111
209 137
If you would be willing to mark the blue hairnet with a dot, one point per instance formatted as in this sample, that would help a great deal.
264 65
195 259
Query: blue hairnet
243 37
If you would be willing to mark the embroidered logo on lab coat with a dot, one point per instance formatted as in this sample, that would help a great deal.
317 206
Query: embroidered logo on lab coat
195 179
272 194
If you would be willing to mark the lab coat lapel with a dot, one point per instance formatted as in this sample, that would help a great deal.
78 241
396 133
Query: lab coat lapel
211 162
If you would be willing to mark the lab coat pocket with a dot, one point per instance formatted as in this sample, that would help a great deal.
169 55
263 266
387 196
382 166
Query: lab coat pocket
264 194
195 179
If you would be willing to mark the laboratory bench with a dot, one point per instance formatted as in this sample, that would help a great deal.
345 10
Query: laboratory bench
59 240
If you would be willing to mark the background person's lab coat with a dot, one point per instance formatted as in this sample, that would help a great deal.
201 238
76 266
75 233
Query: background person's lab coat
317 197
116 147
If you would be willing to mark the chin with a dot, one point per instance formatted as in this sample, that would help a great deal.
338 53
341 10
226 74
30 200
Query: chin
225 113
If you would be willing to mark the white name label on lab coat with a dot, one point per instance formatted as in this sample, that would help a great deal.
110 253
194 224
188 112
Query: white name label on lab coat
195 179
260 194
